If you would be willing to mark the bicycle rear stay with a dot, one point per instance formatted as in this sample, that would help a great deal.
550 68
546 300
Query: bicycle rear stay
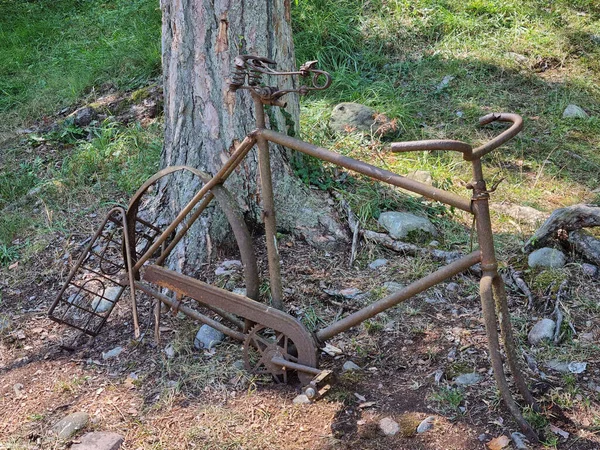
274 342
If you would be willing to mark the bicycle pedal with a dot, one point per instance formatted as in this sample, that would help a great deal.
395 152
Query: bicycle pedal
319 385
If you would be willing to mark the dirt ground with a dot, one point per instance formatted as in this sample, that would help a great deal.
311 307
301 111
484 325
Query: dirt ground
187 398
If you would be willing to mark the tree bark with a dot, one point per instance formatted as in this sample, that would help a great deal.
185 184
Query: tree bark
204 121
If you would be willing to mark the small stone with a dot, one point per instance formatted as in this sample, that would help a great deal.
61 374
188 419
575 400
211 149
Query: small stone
170 351
422 176
434 244
547 257
401 225
68 426
426 424
221 271
349 293
392 286
543 330
574 112
519 440
349 117
18 388
112 353
588 269
207 337
301 400
558 366
5 324
484 437
389 426
240 291
378 263
103 303
577 367
83 116
517 57
239 364
468 379
350 366
231 264
452 287
172 384
99 440
445 82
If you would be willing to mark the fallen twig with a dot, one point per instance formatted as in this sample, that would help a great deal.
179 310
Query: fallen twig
410 249
522 285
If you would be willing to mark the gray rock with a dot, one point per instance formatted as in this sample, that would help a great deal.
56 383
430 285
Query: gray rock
558 366
389 426
468 379
231 264
301 400
221 271
421 176
350 366
68 426
112 353
543 330
577 367
350 293
426 424
588 269
574 112
84 116
519 440
445 82
517 57
547 257
520 212
378 263
240 291
99 440
351 117
239 364
452 287
207 337
392 286
400 224
110 297
5 324
170 351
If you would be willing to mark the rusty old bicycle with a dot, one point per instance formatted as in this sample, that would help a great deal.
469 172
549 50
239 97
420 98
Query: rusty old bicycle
130 251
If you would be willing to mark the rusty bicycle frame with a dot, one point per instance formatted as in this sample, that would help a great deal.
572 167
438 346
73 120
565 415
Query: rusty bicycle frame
294 348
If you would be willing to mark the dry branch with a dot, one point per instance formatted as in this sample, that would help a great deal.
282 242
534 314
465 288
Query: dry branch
410 249
586 244
569 219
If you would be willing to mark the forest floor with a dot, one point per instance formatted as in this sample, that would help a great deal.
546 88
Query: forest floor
432 67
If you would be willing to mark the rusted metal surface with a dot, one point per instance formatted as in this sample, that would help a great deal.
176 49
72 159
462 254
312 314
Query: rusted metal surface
392 300
367 169
275 342
95 284
242 306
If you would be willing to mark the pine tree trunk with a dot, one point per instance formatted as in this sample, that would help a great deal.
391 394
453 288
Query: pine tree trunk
204 120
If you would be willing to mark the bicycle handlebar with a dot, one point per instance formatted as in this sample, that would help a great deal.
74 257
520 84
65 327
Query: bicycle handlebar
469 153
506 135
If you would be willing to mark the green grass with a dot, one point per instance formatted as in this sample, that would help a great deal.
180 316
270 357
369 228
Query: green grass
52 53
532 58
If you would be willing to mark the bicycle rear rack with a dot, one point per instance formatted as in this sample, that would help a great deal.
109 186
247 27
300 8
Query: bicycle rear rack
99 278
